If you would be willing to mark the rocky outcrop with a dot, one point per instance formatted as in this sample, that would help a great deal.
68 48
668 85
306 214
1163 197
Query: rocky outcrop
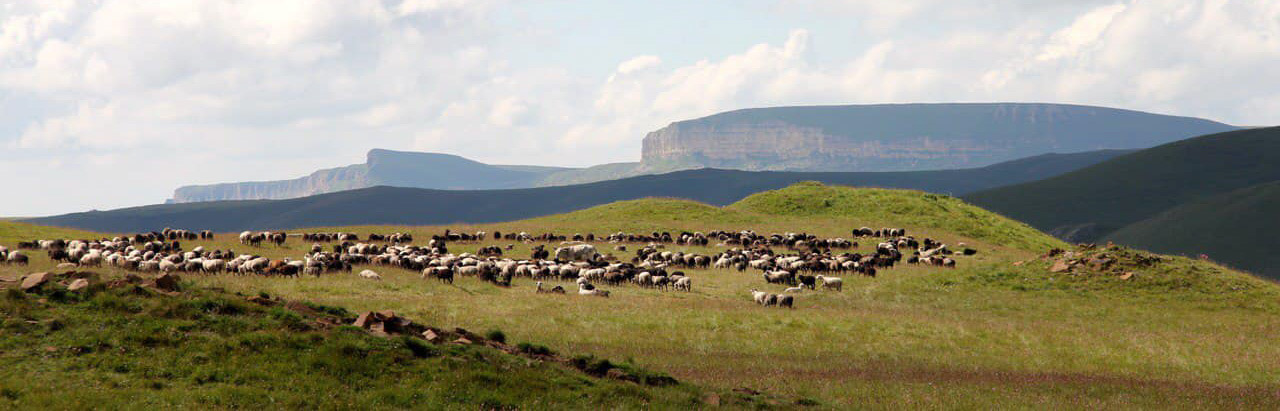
904 137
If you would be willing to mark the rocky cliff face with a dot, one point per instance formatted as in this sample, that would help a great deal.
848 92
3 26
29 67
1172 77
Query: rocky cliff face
323 181
906 136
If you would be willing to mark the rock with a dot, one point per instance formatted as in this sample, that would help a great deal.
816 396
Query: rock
78 284
168 281
1059 266
365 320
463 341
132 278
431 336
1127 275
32 281
67 265
1018 263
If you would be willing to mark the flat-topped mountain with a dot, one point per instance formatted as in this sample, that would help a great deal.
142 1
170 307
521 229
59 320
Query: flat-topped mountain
901 137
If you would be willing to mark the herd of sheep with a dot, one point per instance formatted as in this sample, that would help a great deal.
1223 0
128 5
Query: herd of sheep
795 261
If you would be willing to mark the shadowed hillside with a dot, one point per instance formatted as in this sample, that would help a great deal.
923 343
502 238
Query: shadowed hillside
397 205
1092 202
1238 228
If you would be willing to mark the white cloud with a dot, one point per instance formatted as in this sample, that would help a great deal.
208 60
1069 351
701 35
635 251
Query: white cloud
170 93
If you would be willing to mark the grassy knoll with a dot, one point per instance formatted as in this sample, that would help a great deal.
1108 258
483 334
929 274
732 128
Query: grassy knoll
989 334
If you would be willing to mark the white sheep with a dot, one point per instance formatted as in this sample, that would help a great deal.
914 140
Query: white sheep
369 274
684 284
793 290
831 283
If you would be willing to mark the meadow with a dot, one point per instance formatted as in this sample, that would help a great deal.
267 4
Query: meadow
999 331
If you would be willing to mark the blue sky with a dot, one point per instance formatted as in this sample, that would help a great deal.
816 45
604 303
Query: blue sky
111 103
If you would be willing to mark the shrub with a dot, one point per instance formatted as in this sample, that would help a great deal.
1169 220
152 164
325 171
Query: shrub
496 335
419 348
534 349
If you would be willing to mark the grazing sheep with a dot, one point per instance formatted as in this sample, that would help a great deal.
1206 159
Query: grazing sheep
578 252
684 284
786 301
759 296
793 290
369 274
16 257
584 290
830 283
770 300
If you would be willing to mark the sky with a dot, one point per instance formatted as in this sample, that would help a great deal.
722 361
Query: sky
113 103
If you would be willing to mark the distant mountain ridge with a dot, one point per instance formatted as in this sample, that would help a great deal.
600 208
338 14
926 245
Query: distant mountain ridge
382 167
904 137
396 205
884 137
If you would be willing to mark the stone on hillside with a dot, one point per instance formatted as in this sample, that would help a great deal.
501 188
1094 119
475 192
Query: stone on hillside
132 278
35 280
78 284
430 336
1127 275
1059 266
67 265
365 320
168 281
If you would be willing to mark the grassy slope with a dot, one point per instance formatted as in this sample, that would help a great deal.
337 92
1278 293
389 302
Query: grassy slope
210 349
1137 186
1238 226
986 335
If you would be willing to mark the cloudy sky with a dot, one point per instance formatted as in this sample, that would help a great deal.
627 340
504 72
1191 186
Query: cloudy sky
112 103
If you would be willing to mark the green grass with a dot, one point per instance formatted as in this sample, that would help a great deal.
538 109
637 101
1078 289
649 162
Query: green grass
897 208
989 334
120 348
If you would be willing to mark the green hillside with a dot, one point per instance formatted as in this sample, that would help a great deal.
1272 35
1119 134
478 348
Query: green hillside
131 347
1237 227
1090 203
1000 331
897 208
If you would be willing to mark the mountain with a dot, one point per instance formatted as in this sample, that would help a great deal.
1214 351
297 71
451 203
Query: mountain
1090 203
1237 228
899 137
382 167
895 137
403 205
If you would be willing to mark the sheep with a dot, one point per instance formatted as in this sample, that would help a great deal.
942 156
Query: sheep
778 277
786 301
758 296
555 290
684 284
583 290
793 290
770 300
369 274
17 257
831 283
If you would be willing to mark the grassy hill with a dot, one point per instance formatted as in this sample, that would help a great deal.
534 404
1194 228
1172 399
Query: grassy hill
1092 202
388 205
1001 331
1236 227
130 347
